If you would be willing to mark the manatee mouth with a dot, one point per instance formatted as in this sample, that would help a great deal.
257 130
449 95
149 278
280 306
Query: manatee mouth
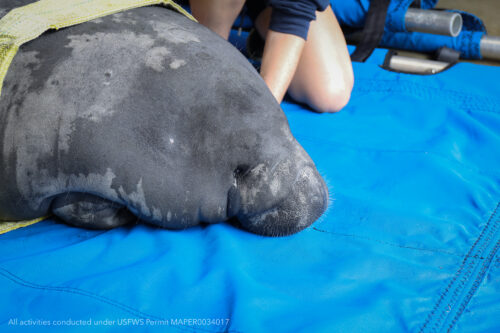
305 202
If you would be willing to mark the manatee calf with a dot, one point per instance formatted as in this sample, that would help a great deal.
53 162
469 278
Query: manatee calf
147 116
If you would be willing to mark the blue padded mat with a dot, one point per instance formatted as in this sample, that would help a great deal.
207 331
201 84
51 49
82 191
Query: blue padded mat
409 243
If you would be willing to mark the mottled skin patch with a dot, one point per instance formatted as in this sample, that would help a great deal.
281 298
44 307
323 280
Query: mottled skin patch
148 116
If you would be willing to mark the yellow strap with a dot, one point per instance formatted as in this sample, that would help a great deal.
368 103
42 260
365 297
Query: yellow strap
26 23
9 226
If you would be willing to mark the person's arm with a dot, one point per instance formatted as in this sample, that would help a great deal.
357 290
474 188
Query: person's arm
285 30
217 15
281 55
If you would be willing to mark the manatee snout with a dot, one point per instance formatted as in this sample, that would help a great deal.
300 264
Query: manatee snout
278 200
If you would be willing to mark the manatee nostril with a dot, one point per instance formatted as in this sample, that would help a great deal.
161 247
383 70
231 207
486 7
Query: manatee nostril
241 170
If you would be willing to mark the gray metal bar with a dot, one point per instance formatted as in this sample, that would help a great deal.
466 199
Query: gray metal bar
433 21
416 65
490 47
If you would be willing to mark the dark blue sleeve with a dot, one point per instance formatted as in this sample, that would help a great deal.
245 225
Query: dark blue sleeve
294 16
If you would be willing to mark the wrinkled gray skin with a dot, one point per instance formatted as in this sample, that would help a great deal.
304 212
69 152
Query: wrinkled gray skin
148 116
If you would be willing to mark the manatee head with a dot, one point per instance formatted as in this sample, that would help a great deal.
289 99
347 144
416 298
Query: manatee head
146 116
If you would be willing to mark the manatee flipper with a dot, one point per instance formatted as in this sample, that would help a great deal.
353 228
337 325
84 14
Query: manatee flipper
90 211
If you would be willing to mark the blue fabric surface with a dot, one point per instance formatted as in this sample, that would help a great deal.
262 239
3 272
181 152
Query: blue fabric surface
467 42
352 14
409 242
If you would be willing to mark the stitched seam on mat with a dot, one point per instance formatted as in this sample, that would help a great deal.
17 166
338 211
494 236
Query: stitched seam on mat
469 103
382 85
461 277
392 244
472 291
14 278
465 102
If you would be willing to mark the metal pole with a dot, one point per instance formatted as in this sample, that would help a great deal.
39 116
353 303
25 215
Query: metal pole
416 65
433 22
490 47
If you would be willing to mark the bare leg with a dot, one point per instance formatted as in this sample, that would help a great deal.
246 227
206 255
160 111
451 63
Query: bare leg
217 15
323 78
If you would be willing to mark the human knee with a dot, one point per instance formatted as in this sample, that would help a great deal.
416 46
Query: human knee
331 98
